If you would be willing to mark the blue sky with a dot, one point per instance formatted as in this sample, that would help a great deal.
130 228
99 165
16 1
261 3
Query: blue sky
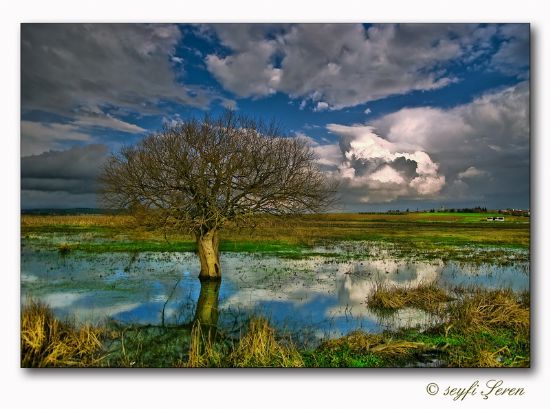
404 115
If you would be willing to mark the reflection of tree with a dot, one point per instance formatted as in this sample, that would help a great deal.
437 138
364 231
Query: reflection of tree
206 313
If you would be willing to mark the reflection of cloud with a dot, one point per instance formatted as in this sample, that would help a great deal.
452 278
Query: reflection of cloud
28 278
96 314
61 300
349 282
75 305
402 318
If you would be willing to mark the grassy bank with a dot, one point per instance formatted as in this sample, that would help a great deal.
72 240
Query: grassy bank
478 329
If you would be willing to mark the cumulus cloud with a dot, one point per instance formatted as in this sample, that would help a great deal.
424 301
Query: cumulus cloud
487 137
344 65
375 170
435 153
496 121
329 156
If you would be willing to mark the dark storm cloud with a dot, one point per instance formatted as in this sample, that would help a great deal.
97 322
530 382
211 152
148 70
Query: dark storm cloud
81 162
37 199
59 185
65 66
405 166
71 171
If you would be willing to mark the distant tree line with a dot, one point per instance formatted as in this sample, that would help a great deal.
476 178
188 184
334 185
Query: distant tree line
477 209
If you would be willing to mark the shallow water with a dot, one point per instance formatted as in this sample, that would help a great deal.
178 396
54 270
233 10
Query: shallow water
315 297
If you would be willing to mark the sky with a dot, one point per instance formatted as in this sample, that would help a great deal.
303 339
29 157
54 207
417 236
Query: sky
405 116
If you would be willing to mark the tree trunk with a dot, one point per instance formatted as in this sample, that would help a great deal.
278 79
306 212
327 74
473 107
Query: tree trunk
207 245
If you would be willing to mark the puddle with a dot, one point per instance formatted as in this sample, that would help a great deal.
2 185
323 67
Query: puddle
317 297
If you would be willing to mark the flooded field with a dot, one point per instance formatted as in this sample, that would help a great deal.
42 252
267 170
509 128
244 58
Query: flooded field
316 297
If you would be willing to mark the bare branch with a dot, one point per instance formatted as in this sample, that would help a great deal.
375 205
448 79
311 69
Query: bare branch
202 174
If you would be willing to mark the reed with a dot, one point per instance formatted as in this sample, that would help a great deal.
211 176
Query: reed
48 342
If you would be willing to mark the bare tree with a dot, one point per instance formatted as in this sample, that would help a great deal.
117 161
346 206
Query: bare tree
199 175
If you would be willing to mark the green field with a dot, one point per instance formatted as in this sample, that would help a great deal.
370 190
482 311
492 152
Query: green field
426 232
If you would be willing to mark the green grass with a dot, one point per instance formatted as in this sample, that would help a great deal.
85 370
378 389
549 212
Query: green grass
429 235
176 246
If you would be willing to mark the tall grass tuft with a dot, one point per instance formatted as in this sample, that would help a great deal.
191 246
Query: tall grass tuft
48 342
202 349
259 348
495 326
483 310
427 297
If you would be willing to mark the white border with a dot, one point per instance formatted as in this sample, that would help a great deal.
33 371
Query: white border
263 388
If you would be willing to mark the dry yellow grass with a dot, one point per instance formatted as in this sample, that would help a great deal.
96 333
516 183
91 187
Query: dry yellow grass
92 220
428 297
259 348
48 342
202 352
486 310
362 343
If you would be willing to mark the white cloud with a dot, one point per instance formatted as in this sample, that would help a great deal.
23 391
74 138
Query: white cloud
347 64
513 55
376 170
471 172
249 71
328 156
387 174
321 106
428 152
106 121
487 137
498 121
38 137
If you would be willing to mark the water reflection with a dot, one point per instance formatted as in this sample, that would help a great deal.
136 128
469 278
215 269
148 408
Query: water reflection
207 311
322 296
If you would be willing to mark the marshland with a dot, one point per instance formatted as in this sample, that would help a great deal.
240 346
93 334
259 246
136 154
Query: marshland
328 290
